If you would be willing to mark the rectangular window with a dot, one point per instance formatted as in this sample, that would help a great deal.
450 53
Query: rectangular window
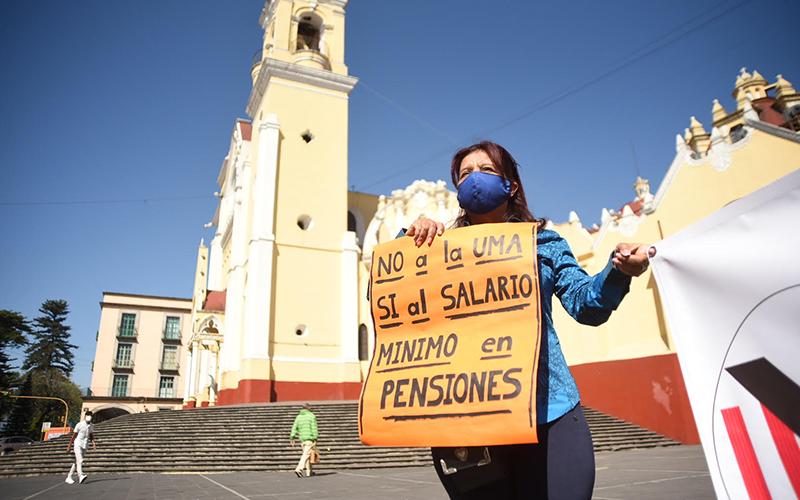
120 387
127 325
166 388
172 329
124 357
169 357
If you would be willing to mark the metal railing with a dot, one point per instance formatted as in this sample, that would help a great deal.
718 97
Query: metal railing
170 335
170 365
127 332
122 363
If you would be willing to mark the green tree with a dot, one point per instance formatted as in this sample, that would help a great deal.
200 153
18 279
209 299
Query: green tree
21 421
55 385
13 329
50 350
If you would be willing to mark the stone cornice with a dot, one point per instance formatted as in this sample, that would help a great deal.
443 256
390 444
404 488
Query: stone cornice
288 71
774 130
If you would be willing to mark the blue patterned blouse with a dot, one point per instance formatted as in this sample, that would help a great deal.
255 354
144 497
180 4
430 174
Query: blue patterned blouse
588 299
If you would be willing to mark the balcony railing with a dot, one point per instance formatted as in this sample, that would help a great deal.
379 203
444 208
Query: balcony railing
123 363
171 366
127 332
171 336
311 57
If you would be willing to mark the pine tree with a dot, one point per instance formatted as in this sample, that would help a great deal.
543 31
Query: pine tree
20 423
50 349
13 329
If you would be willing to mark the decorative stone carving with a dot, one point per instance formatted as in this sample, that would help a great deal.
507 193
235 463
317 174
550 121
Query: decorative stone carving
404 206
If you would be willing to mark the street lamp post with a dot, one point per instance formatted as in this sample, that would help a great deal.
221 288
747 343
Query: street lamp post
66 406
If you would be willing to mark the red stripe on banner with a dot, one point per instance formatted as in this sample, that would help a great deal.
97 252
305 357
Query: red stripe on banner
745 454
787 446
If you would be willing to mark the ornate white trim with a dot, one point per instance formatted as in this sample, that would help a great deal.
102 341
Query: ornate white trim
681 151
274 68
267 12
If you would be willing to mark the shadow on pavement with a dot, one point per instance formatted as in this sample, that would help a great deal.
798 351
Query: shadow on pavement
90 481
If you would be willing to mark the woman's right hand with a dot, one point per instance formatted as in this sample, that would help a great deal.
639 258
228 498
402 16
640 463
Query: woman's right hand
424 230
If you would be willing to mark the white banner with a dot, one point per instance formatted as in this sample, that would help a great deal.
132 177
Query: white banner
730 286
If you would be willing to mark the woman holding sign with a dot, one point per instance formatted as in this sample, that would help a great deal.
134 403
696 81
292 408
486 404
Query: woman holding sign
561 464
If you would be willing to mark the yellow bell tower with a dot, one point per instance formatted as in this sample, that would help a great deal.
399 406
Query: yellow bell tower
297 334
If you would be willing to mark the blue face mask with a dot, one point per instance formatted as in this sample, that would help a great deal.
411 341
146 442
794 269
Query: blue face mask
480 193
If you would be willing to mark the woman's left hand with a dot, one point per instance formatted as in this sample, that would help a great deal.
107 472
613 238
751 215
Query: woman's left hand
632 258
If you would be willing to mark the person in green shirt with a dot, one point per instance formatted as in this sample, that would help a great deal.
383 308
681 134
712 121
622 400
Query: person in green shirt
305 427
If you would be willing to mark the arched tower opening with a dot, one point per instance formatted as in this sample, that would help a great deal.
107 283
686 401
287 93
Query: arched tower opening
309 32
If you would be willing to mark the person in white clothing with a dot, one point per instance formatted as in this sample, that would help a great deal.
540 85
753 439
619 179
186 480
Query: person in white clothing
80 438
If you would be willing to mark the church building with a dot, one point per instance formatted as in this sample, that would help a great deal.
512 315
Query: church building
279 309
275 302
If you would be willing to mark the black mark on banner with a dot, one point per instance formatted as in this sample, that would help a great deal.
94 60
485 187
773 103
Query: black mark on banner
772 388
422 273
489 261
489 311
455 266
391 325
423 320
445 415
426 365
388 280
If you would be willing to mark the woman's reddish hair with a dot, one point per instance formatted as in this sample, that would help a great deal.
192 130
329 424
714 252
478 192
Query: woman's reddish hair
509 168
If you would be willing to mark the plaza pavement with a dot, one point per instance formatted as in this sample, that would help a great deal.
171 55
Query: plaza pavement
660 473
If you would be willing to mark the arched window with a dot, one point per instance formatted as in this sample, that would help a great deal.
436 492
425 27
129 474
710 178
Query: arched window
351 221
363 343
308 33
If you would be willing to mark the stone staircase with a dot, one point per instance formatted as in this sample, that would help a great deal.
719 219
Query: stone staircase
255 438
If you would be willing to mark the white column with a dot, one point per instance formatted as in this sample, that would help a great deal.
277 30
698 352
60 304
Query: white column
189 377
234 297
213 383
203 378
258 312
215 263
193 372
349 295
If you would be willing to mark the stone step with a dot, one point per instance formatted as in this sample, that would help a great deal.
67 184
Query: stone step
229 468
255 437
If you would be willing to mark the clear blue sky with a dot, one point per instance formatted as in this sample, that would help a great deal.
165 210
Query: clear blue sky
113 100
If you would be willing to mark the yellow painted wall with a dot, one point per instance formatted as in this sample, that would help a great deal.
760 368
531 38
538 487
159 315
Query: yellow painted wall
637 328
280 36
311 181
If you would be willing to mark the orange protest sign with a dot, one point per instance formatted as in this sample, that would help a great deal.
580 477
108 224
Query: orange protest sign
457 331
